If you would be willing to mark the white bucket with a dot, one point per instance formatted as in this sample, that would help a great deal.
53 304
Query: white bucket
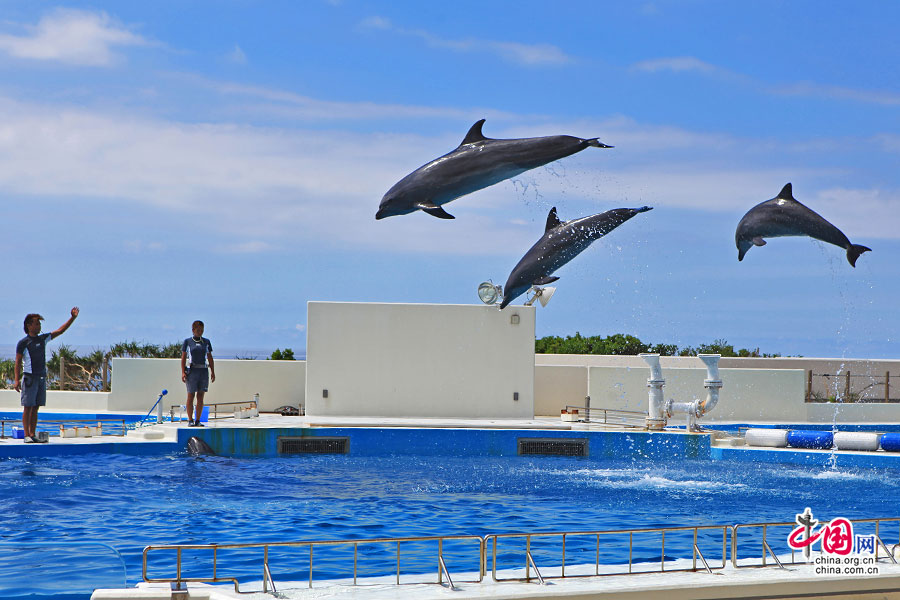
767 438
857 440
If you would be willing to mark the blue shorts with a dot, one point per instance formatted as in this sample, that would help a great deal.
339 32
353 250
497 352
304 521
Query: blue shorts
197 380
34 390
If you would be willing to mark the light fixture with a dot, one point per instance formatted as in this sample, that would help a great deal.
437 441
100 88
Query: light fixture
542 294
489 293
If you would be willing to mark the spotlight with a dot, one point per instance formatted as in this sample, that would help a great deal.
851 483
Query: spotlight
541 294
490 293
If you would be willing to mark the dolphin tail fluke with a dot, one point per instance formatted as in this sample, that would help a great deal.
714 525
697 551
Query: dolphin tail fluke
596 143
854 251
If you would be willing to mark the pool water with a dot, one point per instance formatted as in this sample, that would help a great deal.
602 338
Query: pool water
130 502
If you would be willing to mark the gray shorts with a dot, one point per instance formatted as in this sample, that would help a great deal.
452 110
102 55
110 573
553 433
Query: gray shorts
197 380
34 390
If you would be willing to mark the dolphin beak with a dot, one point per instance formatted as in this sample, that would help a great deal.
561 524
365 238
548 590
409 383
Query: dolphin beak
380 214
602 145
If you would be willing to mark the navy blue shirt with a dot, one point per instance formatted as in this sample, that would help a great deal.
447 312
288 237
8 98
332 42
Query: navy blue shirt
196 351
34 351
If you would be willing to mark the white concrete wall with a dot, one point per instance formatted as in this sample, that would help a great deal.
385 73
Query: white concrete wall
419 360
555 387
136 382
10 400
747 394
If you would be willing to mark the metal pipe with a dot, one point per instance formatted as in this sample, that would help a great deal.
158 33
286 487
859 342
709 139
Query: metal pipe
656 417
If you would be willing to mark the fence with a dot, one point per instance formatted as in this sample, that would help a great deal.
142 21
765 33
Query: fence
851 387
582 552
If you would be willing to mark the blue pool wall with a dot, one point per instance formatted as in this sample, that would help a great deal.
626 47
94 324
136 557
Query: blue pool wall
458 442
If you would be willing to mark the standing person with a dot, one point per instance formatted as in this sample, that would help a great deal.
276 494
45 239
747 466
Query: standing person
32 351
196 374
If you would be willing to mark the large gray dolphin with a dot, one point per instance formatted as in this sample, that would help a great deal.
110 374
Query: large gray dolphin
561 242
784 216
477 163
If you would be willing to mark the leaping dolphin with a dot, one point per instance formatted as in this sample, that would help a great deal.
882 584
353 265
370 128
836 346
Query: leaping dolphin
784 216
561 242
477 163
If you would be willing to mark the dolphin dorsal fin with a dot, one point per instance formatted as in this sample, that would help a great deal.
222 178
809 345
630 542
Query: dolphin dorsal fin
552 220
474 134
787 192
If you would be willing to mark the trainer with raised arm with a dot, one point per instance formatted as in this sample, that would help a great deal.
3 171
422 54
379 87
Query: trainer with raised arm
196 374
32 351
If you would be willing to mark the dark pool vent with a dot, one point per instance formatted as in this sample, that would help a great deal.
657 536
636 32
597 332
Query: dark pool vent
553 446
313 445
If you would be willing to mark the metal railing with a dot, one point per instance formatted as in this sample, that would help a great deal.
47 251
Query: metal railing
762 538
695 536
850 387
611 416
121 430
491 540
268 580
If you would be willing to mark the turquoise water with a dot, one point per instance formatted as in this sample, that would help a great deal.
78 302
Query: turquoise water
130 502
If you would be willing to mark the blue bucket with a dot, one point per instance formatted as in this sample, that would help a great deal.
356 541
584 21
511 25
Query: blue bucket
890 442
810 439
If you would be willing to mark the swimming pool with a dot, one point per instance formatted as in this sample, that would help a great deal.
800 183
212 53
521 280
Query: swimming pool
129 502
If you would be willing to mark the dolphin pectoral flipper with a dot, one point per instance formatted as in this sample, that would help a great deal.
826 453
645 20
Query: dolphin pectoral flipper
758 241
434 210
544 280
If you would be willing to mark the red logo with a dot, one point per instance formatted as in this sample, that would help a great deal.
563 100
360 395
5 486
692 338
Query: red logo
836 536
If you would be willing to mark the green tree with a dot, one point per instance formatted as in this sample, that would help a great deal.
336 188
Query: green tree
286 354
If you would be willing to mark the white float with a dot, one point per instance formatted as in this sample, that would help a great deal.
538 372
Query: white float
857 440
767 438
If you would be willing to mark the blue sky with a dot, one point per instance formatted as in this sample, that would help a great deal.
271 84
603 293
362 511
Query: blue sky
166 161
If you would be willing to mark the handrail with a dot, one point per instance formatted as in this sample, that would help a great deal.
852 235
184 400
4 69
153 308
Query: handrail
735 537
215 548
43 422
529 560
492 539
620 418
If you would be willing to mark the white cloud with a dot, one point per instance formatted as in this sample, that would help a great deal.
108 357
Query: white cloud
677 64
257 189
529 55
809 89
283 104
72 37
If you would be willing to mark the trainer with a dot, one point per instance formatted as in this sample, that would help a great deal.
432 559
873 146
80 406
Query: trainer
197 374
32 350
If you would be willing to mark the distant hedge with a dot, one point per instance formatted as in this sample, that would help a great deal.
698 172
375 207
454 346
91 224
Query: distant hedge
623 344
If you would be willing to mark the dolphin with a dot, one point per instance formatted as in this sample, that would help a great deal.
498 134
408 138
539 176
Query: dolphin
196 446
477 163
561 242
784 216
